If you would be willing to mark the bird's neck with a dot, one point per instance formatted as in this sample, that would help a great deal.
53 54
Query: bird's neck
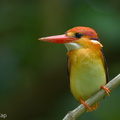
92 44
87 43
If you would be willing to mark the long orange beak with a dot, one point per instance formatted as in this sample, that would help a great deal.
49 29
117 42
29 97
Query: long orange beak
58 39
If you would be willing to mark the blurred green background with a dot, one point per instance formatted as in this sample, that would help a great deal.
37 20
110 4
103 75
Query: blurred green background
33 78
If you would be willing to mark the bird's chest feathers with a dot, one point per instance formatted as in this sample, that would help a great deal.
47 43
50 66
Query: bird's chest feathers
83 62
86 72
82 57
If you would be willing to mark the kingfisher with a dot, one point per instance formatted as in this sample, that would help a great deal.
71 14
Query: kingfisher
87 67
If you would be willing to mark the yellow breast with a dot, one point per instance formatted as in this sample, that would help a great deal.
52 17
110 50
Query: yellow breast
87 72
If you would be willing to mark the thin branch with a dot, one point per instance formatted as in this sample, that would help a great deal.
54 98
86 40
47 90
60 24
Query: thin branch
72 115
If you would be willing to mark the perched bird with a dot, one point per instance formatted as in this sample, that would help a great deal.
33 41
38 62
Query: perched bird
86 64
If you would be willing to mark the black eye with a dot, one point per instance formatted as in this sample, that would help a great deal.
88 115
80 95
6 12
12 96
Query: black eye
78 35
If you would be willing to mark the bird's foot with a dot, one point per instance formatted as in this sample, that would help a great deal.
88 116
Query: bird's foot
106 90
85 105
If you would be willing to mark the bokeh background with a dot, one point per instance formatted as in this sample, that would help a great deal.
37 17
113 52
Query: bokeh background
33 77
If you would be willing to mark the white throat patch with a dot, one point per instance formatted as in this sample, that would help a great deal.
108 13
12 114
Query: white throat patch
72 46
96 42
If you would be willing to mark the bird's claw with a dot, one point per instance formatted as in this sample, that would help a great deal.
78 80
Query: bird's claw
106 90
85 105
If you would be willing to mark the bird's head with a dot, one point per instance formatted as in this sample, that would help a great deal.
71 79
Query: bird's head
76 38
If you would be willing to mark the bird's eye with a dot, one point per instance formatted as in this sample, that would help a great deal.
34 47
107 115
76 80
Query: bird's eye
78 35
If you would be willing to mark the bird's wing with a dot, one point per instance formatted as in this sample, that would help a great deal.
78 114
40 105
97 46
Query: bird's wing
68 67
105 65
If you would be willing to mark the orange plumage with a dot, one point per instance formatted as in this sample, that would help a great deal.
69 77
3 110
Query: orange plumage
86 64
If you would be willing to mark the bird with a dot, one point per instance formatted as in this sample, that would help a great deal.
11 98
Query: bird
87 68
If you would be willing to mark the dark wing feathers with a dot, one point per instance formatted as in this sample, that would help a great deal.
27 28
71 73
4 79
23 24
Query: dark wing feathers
105 66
